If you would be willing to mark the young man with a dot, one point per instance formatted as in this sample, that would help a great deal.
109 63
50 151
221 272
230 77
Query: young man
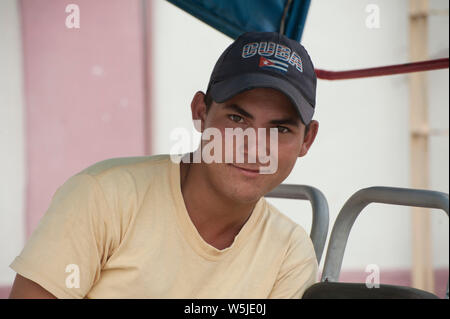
173 227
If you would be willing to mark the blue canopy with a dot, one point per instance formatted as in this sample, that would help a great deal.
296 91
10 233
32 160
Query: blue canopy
234 17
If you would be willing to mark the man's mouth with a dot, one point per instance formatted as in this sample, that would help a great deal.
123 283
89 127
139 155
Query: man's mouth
250 172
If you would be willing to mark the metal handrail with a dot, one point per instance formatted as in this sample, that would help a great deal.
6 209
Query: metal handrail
320 214
357 202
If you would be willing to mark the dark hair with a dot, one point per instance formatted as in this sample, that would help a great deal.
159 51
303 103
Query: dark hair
208 102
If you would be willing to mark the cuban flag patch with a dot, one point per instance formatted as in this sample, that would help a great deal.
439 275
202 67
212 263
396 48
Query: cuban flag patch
274 64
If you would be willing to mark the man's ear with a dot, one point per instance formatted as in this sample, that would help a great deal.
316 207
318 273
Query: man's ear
198 109
309 137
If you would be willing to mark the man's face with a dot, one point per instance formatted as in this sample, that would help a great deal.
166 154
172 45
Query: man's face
260 108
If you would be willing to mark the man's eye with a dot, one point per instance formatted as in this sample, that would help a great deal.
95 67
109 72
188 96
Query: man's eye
282 129
236 118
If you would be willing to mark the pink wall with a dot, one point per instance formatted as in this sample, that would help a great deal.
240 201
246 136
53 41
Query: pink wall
84 91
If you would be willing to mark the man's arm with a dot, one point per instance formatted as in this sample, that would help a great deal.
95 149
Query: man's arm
24 288
73 231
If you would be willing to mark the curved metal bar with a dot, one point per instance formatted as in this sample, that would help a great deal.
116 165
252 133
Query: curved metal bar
357 202
320 215
283 18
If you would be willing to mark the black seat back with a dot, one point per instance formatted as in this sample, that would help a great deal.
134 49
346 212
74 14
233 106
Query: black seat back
344 290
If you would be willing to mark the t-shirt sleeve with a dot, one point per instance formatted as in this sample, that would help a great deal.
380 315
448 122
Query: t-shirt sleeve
71 243
299 269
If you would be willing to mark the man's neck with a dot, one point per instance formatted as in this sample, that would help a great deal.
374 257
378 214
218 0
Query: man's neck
217 219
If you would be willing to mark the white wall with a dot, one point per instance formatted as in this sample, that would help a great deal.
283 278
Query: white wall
438 92
12 176
363 137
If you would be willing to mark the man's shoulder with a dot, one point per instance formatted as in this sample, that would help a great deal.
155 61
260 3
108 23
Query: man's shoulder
128 177
120 164
284 229
283 225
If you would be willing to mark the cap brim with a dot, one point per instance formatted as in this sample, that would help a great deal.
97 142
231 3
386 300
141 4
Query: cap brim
225 90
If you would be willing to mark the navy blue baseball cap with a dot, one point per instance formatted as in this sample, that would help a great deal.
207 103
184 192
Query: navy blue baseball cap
266 60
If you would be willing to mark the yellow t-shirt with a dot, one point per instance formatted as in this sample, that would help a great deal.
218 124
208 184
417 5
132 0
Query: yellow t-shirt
120 229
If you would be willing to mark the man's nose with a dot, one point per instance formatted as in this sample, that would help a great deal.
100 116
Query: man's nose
259 145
